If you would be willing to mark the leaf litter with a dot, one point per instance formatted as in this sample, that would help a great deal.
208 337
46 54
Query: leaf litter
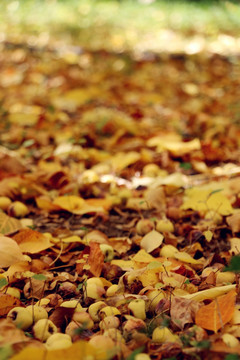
119 198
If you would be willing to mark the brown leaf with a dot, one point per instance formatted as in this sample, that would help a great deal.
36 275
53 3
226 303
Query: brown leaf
11 164
234 222
8 224
8 302
34 289
221 347
216 314
120 244
183 311
61 316
10 334
96 259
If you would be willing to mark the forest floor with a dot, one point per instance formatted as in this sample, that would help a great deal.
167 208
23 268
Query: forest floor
119 181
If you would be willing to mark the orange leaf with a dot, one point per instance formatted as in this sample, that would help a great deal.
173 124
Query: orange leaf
216 314
106 204
96 259
31 241
8 302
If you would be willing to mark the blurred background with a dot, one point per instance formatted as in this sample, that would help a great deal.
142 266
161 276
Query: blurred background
119 25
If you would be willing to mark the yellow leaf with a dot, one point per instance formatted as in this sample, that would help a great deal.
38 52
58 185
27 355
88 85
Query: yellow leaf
204 200
210 293
208 235
152 241
185 257
143 256
72 239
122 160
10 252
150 277
70 203
173 143
14 270
24 119
77 205
80 350
123 264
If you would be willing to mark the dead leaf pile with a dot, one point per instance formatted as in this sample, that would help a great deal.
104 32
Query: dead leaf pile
119 206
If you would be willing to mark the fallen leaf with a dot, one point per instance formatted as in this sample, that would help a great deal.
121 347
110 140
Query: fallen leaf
31 241
205 200
8 302
174 144
80 350
8 224
143 257
234 222
183 311
95 259
77 205
120 244
152 241
221 347
185 257
210 293
218 313
61 316
16 269
10 252
10 334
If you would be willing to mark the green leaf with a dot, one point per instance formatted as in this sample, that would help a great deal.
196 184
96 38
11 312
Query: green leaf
158 285
234 264
28 334
186 165
3 282
40 277
204 344
28 143
232 357
187 281
5 352
134 353
83 228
